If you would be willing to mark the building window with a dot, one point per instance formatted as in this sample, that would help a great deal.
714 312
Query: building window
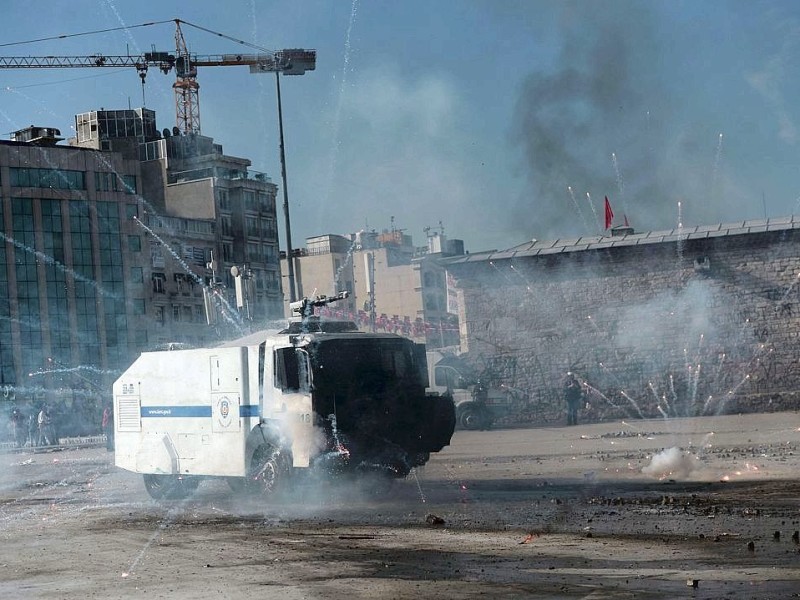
270 254
271 280
187 314
138 306
131 211
105 182
159 315
137 275
176 313
224 200
268 227
251 226
59 179
158 283
252 253
227 252
184 283
266 202
134 243
250 200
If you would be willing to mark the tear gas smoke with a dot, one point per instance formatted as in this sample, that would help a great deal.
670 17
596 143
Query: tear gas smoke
671 463
605 95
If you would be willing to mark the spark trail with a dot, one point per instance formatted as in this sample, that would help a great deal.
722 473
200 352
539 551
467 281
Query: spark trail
594 212
228 308
620 182
715 170
578 208
342 88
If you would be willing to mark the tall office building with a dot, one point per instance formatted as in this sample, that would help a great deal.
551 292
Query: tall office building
110 242
65 221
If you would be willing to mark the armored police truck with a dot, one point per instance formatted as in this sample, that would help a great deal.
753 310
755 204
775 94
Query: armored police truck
317 396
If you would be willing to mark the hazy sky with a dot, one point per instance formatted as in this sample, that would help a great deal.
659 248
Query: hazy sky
478 114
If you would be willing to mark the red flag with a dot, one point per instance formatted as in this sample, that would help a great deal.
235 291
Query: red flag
626 219
609 214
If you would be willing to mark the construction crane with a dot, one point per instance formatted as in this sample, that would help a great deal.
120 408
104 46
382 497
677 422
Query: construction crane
187 101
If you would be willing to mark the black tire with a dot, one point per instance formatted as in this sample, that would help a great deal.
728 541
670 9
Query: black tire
471 418
270 471
169 487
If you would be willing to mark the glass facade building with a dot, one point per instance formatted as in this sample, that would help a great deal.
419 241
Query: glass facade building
63 307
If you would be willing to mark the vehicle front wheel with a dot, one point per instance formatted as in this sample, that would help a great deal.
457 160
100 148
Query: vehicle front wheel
270 471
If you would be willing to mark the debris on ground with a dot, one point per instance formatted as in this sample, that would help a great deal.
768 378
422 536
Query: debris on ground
434 520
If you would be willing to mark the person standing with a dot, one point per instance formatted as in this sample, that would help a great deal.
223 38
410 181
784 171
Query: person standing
18 425
573 395
45 429
108 426
32 427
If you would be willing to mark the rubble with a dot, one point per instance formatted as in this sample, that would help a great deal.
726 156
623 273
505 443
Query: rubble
434 520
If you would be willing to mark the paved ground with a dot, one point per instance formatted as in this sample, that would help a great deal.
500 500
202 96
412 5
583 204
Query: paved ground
542 513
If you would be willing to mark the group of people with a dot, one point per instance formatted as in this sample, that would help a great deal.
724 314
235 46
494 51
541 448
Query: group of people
35 429
38 428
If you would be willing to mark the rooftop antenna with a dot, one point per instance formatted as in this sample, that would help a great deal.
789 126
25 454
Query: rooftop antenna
391 220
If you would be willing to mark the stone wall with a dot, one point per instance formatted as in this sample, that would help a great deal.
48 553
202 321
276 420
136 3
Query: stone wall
688 327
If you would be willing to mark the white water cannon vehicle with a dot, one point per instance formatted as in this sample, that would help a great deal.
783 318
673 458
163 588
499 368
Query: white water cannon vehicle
317 396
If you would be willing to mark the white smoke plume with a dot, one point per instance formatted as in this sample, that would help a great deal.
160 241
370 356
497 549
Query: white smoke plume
671 463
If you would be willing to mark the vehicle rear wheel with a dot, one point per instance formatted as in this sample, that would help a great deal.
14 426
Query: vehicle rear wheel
169 487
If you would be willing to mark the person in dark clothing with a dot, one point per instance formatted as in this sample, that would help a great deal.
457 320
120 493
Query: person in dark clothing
573 395
18 425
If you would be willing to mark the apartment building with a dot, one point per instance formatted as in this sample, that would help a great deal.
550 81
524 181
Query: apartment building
111 240
393 285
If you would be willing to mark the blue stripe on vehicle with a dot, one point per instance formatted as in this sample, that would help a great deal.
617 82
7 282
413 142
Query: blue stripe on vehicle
245 410
176 411
248 410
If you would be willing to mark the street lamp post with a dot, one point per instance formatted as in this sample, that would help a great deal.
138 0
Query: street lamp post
288 62
289 258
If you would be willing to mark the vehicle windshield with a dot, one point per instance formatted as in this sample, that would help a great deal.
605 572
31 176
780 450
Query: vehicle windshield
361 366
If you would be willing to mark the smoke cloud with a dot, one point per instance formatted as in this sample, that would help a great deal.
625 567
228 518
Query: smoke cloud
607 118
672 463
